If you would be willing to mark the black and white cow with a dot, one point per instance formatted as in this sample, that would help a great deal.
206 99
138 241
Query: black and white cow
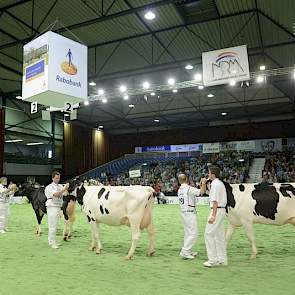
118 205
36 196
259 203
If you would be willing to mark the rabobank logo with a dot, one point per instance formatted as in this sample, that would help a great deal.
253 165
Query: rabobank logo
226 64
67 66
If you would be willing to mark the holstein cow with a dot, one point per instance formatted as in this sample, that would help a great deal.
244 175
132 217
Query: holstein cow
259 203
118 205
37 198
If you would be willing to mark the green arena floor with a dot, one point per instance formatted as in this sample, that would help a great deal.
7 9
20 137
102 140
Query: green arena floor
28 266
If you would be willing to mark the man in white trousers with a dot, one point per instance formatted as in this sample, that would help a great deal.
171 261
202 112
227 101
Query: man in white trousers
4 204
54 194
187 200
214 232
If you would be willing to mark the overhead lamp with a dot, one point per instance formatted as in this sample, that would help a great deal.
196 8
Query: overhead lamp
262 68
232 82
146 85
210 95
86 102
123 88
18 97
100 92
92 83
153 94
150 15
171 81
189 67
125 97
200 87
104 100
13 140
260 79
174 90
223 113
100 126
131 106
156 120
35 143
198 77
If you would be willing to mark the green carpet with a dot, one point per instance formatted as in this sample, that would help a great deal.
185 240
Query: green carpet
28 266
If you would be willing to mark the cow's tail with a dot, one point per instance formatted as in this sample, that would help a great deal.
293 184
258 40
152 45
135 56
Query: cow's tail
151 198
147 215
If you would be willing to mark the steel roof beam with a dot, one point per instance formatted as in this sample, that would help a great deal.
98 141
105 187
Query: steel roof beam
18 3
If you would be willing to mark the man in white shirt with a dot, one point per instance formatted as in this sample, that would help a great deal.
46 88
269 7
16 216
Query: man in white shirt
54 194
214 232
4 204
187 200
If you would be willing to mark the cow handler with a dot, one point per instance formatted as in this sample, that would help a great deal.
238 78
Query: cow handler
54 194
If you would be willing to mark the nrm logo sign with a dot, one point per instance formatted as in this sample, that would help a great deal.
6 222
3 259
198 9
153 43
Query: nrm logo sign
226 64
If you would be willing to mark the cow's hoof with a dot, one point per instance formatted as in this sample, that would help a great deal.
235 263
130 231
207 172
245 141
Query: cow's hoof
91 248
69 237
97 252
253 256
128 257
150 254
65 238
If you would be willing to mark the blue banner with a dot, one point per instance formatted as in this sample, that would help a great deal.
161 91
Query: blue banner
35 70
158 148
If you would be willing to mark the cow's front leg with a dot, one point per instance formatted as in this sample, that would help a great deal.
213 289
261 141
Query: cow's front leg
66 230
248 225
151 233
229 232
95 244
135 231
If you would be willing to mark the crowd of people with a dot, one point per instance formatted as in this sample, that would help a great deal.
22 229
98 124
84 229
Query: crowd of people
279 167
163 175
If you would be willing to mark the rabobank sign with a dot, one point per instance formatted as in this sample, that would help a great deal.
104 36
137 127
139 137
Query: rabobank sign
68 81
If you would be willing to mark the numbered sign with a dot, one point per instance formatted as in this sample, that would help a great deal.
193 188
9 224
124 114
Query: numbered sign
68 107
34 107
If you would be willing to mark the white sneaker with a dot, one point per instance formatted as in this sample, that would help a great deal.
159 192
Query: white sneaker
186 256
194 254
222 263
210 264
2 231
54 246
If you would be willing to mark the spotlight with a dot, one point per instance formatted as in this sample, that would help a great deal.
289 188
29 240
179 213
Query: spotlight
232 82
149 15
104 100
171 81
260 79
125 97
262 68
92 83
200 87
100 126
146 85
174 90
198 77
189 67
86 103
123 88
100 92
131 106
156 120
223 114
210 95
153 94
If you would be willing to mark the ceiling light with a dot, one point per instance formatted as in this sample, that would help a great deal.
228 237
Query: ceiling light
146 85
100 92
198 77
131 106
156 120
86 102
262 68
35 143
123 88
100 126
92 83
104 100
223 114
210 95
260 79
149 15
126 97
232 82
14 140
294 74
188 67
174 90
19 97
241 160
200 87
171 81
153 94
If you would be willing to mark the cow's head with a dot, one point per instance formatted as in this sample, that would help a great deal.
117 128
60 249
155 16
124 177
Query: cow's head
80 192
26 189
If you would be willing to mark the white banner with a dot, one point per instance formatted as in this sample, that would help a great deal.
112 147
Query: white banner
55 70
134 173
248 145
210 148
173 200
268 145
223 65
185 148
